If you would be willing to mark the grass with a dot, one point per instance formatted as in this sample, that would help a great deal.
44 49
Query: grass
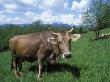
91 58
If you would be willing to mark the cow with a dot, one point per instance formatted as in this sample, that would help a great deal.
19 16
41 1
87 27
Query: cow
39 46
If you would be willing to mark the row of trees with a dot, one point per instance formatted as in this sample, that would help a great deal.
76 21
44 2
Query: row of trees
97 15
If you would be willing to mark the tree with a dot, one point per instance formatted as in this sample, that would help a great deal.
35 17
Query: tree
37 23
97 15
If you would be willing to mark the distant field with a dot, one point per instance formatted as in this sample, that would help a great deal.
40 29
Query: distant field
90 58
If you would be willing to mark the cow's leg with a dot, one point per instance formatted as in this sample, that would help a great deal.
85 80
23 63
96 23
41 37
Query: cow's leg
20 66
41 64
12 66
15 62
12 61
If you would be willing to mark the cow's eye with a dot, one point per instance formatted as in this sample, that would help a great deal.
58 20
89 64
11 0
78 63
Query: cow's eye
59 42
70 41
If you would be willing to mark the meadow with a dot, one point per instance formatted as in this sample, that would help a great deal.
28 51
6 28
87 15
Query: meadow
90 62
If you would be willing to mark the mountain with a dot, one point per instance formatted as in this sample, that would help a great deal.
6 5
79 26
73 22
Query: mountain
59 24
56 24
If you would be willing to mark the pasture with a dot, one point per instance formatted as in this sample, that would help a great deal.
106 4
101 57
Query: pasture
90 62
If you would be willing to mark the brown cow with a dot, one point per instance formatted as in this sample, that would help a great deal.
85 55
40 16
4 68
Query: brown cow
39 46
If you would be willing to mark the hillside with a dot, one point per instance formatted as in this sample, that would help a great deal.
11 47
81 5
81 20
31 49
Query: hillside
89 58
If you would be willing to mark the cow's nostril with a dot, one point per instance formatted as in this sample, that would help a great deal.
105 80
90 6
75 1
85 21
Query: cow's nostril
67 55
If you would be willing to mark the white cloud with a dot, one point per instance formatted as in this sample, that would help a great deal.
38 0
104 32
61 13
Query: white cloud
30 2
68 18
51 4
65 5
78 21
45 17
8 20
10 6
9 11
2 17
80 16
18 20
44 3
44 10
30 14
48 17
79 5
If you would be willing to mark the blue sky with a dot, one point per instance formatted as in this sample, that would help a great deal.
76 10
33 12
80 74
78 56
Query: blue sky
48 11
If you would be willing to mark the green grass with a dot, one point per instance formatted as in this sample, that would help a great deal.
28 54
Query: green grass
91 57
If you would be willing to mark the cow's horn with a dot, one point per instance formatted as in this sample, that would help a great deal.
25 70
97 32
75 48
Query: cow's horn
70 30
55 33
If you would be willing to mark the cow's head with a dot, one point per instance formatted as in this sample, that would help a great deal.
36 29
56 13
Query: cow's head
64 42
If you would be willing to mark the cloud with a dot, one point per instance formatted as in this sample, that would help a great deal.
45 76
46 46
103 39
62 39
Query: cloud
48 3
18 20
65 5
30 2
79 5
48 17
9 20
2 17
48 11
53 4
45 16
30 14
68 18
10 6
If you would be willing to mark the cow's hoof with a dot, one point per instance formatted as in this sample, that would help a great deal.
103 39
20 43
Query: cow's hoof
17 76
20 73
39 77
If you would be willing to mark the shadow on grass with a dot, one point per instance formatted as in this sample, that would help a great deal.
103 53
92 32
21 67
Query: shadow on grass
4 49
57 67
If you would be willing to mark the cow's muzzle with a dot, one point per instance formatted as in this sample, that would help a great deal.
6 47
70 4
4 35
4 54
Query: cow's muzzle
67 55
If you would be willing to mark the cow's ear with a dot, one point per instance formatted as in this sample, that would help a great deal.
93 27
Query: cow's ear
52 40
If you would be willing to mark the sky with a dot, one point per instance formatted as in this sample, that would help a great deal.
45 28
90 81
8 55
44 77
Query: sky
48 11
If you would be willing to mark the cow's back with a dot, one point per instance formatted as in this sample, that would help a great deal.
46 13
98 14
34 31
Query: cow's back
26 45
22 44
